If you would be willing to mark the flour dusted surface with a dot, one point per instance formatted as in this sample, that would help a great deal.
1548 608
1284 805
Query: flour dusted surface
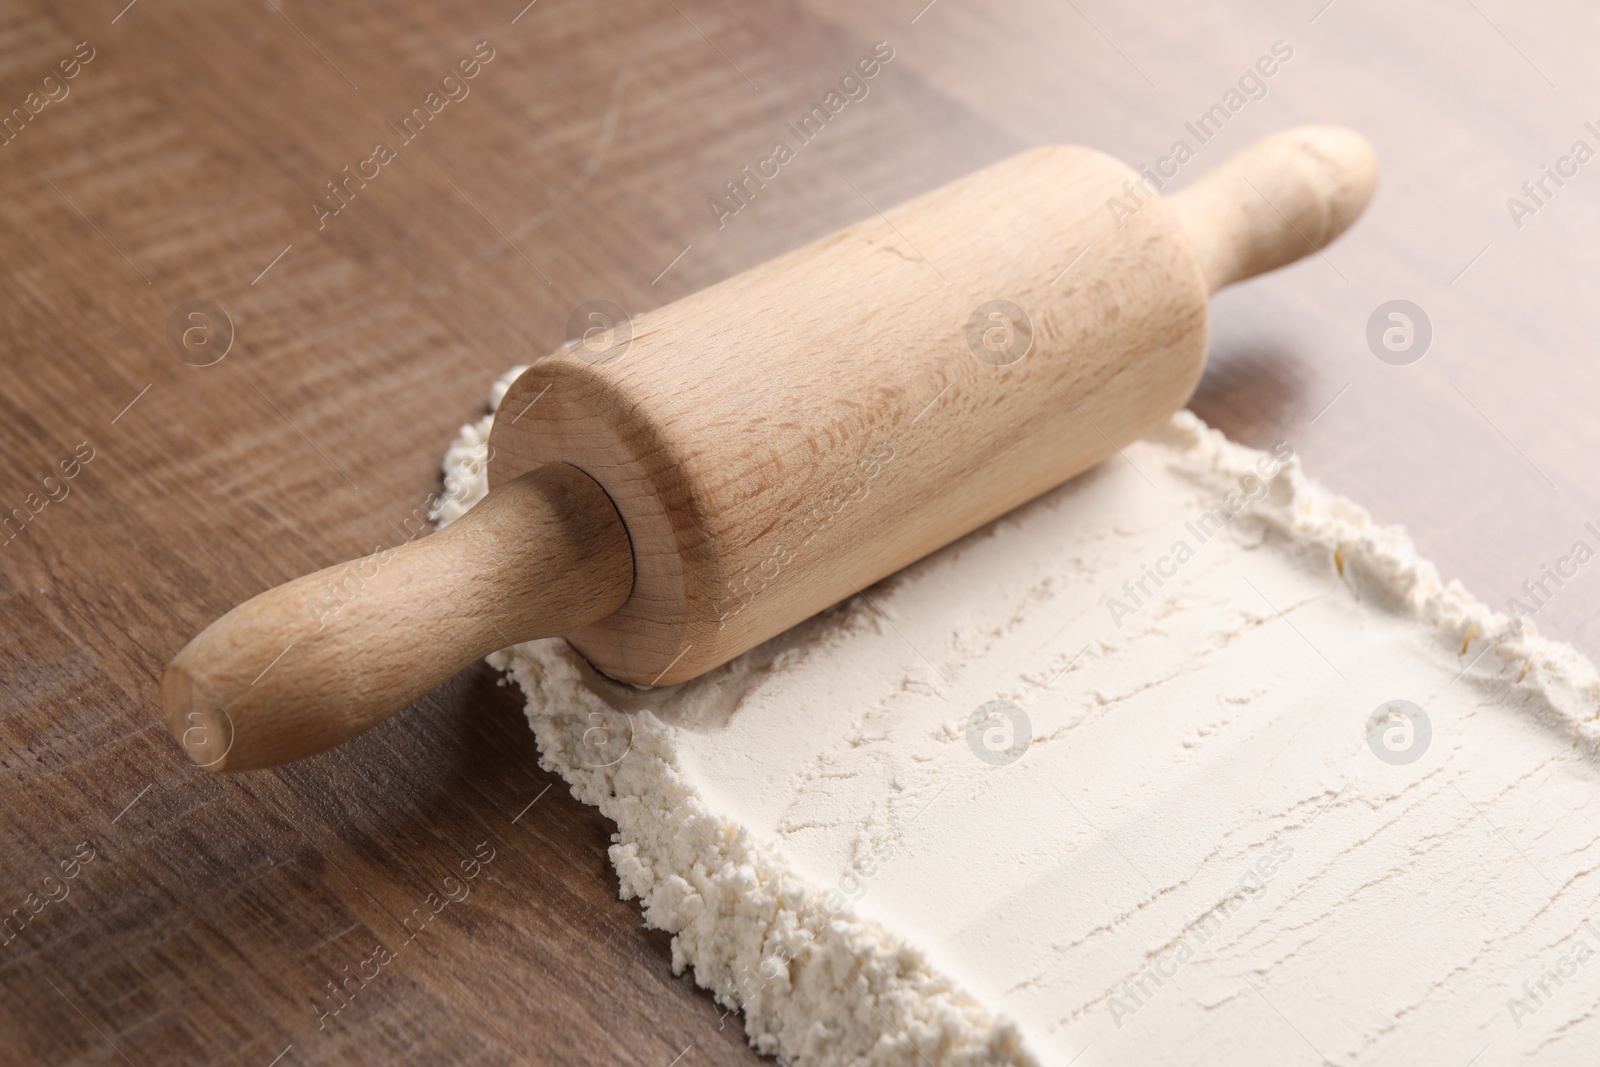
1119 777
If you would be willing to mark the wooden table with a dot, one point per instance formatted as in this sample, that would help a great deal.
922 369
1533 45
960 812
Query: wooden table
185 162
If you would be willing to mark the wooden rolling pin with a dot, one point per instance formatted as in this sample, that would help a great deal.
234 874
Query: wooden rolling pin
776 443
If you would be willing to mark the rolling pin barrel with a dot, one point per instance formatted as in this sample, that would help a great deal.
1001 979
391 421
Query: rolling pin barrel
770 446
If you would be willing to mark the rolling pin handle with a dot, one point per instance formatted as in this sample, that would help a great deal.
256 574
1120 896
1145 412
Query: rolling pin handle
310 664
1284 197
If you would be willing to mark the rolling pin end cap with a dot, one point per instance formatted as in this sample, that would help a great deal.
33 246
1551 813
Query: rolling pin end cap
1343 164
197 718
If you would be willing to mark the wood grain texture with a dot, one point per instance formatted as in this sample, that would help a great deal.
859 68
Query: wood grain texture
788 437
187 157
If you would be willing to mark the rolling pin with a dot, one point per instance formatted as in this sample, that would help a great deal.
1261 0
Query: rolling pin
776 443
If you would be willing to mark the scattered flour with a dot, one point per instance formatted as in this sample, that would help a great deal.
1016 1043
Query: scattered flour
1023 803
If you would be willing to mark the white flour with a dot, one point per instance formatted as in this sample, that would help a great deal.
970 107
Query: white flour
1168 837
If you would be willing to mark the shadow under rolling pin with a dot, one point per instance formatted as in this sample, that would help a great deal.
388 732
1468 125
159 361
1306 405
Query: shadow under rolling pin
773 444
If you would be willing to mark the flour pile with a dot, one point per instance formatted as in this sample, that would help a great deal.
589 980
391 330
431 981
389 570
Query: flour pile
1186 761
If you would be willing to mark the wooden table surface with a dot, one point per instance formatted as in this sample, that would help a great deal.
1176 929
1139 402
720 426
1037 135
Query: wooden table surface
182 162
